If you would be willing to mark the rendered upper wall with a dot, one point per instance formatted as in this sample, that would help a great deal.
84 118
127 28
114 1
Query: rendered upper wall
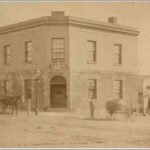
78 50
76 32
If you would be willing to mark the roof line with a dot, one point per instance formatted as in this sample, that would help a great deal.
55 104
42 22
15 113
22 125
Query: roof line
68 20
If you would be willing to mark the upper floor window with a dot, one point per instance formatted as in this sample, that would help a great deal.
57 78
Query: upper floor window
117 54
58 49
7 54
118 89
28 51
92 91
91 51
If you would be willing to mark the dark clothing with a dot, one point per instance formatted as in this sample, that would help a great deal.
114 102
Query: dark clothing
92 107
148 107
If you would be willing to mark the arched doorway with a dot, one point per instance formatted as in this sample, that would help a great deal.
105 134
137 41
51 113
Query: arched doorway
58 98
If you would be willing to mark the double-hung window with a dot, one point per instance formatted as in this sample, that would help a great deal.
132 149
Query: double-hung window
28 52
7 85
91 51
118 89
58 49
117 54
92 91
7 54
28 88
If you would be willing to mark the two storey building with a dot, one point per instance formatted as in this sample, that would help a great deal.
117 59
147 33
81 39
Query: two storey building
76 58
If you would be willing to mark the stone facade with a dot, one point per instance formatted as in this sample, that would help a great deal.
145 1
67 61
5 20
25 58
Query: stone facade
75 68
105 86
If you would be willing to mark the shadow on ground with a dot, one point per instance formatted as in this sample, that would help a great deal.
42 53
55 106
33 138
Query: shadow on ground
99 119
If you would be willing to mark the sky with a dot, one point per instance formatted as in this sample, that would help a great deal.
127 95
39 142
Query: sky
134 14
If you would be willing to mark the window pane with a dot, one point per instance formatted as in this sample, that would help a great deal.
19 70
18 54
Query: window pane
118 53
28 88
29 51
29 46
92 88
7 85
29 59
58 43
58 49
117 59
91 45
118 89
3 86
91 51
7 54
92 83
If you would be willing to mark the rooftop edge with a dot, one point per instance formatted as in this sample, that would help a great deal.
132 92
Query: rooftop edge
58 17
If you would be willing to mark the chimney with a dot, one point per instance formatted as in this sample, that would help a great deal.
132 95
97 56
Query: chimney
112 20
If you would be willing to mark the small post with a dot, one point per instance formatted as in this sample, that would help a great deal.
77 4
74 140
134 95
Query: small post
38 73
28 110
148 88
37 98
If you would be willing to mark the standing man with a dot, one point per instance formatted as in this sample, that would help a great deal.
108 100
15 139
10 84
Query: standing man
91 106
148 102
148 106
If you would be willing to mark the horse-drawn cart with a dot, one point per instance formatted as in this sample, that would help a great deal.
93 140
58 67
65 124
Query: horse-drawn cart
9 100
118 107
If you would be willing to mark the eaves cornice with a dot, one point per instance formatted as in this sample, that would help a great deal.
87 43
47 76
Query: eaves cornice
67 20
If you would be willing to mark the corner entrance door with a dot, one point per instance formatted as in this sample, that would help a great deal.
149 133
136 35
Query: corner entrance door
58 93
58 96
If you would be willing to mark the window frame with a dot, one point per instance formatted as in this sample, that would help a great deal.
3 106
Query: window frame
93 52
118 90
27 89
6 85
52 50
118 55
92 89
7 54
28 52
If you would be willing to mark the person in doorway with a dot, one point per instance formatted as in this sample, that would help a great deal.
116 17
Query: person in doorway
91 106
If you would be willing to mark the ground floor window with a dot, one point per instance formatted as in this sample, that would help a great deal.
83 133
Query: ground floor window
28 88
118 89
92 91
6 86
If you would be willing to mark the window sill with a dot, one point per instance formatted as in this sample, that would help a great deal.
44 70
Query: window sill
57 61
6 65
28 63
88 62
117 64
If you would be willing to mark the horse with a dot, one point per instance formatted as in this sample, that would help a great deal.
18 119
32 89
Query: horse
10 101
131 113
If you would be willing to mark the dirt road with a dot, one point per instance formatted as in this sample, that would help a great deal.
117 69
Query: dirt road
64 130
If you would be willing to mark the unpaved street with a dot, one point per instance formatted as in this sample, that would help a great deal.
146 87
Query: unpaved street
65 130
